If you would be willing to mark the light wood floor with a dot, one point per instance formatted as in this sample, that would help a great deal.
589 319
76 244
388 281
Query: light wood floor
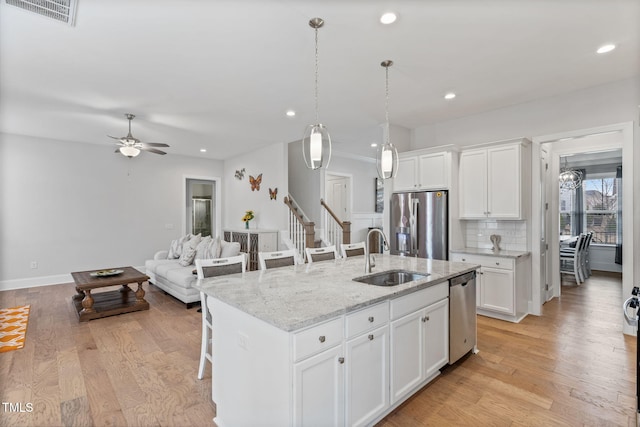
571 366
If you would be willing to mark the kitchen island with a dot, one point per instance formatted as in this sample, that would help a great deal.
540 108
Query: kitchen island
307 345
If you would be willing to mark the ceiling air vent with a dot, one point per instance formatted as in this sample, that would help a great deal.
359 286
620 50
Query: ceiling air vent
59 10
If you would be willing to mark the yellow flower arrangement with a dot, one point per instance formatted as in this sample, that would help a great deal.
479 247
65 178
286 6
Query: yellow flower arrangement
248 216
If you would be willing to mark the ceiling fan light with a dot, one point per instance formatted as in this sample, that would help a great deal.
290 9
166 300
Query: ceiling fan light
129 151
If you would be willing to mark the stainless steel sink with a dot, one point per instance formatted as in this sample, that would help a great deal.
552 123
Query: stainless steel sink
391 277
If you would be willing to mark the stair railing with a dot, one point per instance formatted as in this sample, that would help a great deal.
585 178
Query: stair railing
301 232
335 231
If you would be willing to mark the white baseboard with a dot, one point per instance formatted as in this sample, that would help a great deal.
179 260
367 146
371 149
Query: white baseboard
32 282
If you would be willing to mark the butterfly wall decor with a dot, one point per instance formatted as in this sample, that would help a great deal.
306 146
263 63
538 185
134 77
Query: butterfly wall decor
273 193
240 174
255 182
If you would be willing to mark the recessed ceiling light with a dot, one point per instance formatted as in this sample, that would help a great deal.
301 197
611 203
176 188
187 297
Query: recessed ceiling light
203 150
374 145
291 113
606 48
450 95
388 18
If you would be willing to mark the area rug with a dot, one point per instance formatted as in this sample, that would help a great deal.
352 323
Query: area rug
13 327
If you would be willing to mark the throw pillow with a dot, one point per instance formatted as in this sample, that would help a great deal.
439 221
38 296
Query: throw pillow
213 250
194 241
202 247
181 242
173 250
188 254
229 249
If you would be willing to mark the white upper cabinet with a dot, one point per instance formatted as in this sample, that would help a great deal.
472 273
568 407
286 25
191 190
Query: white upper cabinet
492 182
426 171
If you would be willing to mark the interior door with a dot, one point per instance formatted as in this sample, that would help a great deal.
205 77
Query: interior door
337 196
546 287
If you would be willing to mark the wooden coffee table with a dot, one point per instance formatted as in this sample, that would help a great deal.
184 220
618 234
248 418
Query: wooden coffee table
102 304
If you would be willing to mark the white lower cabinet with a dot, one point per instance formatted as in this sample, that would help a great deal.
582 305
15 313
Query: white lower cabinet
436 337
498 294
419 347
319 389
502 285
367 376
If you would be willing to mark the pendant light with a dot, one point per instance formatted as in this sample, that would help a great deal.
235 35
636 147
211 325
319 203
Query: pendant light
569 179
316 143
387 158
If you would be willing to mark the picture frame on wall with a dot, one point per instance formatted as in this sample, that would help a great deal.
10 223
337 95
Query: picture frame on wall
379 194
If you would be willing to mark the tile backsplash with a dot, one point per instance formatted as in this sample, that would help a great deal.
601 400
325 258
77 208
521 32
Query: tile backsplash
513 234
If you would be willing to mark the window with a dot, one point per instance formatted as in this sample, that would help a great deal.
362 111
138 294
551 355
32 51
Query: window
592 207
601 207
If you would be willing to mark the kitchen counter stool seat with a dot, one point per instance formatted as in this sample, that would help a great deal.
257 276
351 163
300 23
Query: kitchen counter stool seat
211 268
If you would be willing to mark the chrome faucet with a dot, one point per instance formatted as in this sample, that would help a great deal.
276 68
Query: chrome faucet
367 255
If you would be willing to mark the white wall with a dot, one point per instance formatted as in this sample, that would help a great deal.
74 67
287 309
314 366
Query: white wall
601 105
305 185
363 172
238 197
73 207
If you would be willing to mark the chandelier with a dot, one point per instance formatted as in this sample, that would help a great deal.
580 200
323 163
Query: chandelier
316 142
569 179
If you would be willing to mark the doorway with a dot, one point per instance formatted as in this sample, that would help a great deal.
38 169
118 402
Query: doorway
604 138
338 194
201 206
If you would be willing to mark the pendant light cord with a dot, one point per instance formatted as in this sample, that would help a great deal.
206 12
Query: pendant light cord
316 81
386 101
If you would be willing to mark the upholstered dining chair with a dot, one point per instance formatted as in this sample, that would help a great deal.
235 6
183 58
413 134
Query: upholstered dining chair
321 254
277 259
352 249
212 268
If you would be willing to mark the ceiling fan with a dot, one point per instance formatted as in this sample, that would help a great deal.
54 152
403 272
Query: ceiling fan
130 146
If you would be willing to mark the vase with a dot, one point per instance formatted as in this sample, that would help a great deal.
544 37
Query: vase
246 225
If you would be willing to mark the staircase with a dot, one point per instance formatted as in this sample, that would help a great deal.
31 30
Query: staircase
301 231
335 232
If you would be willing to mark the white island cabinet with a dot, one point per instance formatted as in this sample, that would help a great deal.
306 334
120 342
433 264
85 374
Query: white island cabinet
308 346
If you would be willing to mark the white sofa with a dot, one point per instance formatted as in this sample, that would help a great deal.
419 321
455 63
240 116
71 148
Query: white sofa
178 280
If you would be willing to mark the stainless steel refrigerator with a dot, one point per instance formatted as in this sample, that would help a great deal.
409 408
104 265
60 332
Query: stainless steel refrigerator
419 224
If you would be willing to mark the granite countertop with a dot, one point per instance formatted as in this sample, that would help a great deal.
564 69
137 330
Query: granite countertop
490 252
294 297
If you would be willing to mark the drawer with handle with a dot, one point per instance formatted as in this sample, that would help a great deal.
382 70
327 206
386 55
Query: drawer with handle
485 261
367 319
317 338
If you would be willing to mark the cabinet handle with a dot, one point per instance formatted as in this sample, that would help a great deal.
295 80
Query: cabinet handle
371 319
497 263
464 259
425 318
322 338
341 360
371 337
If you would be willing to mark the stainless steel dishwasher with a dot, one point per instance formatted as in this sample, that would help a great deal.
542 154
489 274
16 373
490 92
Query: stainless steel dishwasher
462 315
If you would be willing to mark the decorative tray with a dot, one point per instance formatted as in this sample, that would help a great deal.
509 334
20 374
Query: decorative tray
105 273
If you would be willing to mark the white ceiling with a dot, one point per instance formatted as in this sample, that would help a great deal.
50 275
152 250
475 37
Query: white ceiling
221 74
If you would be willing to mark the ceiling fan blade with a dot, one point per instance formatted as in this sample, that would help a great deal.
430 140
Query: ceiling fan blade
117 151
114 137
154 144
152 150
